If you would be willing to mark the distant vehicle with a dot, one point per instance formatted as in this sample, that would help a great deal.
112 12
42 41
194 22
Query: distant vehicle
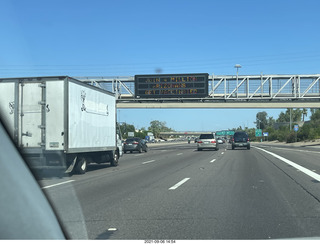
135 144
159 140
230 140
220 141
207 141
240 139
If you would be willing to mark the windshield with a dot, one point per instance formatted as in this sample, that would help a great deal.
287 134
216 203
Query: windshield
81 80
240 135
133 139
206 136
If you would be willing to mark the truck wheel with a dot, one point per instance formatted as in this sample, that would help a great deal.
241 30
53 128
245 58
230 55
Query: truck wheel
114 158
81 166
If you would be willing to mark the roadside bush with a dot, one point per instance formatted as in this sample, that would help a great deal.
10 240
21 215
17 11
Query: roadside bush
291 137
304 133
283 134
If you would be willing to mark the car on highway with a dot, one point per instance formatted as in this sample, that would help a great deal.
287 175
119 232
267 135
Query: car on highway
135 144
207 141
240 139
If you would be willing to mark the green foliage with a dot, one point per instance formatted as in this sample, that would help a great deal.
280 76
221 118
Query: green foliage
305 132
125 128
261 120
157 126
291 137
251 133
296 115
141 133
309 131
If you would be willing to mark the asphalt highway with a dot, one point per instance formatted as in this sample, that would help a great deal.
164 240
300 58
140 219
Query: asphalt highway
174 192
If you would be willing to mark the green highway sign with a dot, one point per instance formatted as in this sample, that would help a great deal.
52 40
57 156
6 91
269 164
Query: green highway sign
230 133
258 132
225 133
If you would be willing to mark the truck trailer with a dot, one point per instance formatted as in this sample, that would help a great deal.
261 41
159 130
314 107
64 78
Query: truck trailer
60 123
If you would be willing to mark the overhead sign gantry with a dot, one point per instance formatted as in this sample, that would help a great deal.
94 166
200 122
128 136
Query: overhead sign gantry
200 90
171 86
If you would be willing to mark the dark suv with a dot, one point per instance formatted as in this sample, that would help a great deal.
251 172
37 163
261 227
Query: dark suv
135 144
240 139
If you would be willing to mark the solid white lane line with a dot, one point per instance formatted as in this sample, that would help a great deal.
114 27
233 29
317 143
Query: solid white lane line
179 154
58 184
222 153
297 166
212 160
148 162
179 184
296 150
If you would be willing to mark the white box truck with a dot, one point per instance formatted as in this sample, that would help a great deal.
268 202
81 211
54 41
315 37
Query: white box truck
60 122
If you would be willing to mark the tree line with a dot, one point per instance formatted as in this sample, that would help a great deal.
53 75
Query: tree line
281 129
155 128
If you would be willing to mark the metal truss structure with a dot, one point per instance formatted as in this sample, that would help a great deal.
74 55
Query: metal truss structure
250 91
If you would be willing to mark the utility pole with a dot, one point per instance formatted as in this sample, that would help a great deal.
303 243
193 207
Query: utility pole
290 118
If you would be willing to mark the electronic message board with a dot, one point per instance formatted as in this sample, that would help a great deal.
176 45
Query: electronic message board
172 86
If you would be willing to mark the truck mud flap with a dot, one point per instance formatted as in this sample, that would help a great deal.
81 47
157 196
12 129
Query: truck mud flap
71 167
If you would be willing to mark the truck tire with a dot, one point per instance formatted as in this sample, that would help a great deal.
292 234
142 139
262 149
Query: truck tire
114 158
81 166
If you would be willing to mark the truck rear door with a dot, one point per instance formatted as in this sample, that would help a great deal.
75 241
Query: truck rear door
30 131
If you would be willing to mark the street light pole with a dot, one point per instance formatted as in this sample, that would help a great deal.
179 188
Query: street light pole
290 118
259 125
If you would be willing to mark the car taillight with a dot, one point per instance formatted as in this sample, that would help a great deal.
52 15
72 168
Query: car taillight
199 141
248 139
135 142
214 141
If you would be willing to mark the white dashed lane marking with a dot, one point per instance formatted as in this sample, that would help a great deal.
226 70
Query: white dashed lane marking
179 184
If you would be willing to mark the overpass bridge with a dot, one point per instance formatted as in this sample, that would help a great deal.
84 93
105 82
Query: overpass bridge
183 133
230 91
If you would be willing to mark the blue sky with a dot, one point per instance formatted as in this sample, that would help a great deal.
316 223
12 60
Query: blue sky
115 38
